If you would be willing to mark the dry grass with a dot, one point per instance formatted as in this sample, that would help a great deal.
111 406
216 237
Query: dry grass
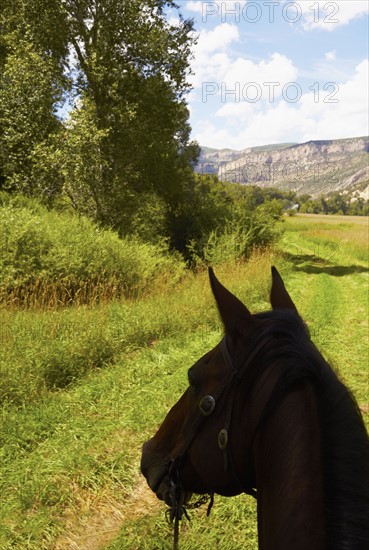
44 294
106 516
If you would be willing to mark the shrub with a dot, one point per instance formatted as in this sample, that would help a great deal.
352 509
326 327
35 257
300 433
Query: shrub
50 257
241 236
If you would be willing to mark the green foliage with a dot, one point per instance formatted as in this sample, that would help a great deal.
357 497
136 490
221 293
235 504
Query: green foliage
207 207
33 83
27 98
132 100
41 22
132 66
335 203
81 164
52 257
80 157
230 220
44 247
233 243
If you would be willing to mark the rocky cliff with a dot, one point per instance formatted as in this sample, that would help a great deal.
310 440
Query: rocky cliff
315 167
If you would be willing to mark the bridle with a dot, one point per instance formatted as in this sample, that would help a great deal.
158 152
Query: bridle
206 407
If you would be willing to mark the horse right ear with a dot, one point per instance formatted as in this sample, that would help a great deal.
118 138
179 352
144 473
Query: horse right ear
279 297
233 312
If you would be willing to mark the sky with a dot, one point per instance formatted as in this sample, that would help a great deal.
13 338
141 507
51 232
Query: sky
269 72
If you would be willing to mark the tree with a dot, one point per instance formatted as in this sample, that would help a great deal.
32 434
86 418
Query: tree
27 95
337 203
125 148
32 53
131 78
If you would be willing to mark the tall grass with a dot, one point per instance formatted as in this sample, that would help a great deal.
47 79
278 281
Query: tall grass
83 387
45 351
51 259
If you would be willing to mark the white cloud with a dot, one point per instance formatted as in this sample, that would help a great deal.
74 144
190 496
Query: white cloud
240 110
227 61
278 69
346 117
217 39
318 14
328 114
329 16
214 63
194 5
275 125
210 135
174 21
211 58
330 56
249 85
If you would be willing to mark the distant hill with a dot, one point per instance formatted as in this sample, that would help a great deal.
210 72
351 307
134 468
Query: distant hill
315 167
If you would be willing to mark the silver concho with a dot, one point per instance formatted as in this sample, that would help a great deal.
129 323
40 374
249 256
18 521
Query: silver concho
223 439
207 405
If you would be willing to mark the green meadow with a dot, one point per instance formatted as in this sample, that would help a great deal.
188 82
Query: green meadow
82 388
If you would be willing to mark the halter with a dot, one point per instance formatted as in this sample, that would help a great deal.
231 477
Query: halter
207 405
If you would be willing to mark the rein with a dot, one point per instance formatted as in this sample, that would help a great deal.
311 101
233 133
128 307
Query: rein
179 509
207 405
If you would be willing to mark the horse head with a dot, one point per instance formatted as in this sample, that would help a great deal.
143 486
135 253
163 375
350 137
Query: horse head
205 441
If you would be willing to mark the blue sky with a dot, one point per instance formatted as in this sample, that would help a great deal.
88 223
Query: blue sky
278 71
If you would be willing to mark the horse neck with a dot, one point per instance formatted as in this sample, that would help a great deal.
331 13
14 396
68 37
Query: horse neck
289 477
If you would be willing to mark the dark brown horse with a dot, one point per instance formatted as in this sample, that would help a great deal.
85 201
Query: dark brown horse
266 415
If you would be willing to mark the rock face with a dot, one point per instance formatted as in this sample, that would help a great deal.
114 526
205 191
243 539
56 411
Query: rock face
315 167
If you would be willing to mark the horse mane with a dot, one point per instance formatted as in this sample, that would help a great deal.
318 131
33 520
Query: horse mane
344 439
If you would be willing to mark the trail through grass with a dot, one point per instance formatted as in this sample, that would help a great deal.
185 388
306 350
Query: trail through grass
70 455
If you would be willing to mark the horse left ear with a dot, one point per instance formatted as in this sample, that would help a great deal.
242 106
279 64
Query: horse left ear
279 297
233 312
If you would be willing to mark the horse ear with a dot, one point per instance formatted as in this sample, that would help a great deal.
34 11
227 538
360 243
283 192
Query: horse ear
279 297
233 312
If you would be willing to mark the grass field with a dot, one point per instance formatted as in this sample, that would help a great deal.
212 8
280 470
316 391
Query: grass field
82 388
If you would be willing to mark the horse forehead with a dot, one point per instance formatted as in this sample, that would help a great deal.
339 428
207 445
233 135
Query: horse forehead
211 363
